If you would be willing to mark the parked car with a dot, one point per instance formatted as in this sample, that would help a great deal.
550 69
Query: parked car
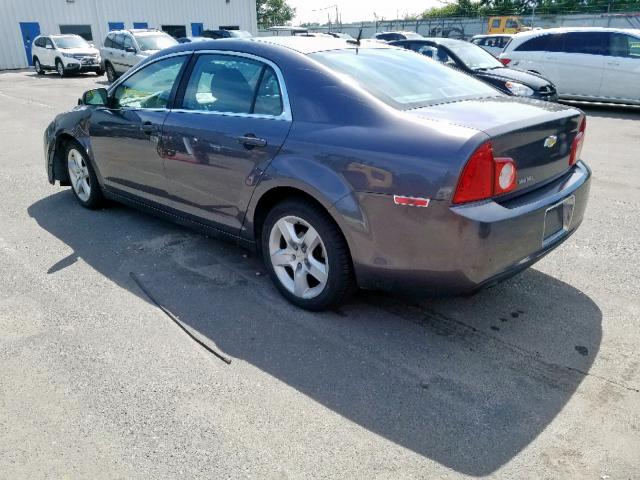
125 48
506 24
226 34
494 44
192 39
344 165
392 36
65 54
591 63
475 61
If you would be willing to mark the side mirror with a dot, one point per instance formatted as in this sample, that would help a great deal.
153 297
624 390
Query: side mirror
97 97
130 49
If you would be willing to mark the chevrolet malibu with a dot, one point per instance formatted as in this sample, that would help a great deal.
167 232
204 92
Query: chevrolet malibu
343 165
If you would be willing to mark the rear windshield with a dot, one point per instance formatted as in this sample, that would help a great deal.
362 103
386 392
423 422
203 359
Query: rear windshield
403 79
155 42
70 42
474 57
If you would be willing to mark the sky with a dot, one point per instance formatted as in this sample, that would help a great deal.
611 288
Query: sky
356 10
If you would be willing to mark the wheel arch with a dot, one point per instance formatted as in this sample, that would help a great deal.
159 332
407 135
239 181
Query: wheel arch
57 161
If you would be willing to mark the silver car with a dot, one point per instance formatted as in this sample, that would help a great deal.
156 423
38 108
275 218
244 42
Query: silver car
125 48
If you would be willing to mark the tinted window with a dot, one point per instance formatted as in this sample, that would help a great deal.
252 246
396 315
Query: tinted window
83 30
176 31
107 42
48 41
621 45
401 79
268 99
536 44
591 43
495 23
151 86
223 83
39 42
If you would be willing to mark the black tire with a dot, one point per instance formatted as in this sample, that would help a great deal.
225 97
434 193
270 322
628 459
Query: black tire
95 199
111 73
340 283
60 68
100 72
38 66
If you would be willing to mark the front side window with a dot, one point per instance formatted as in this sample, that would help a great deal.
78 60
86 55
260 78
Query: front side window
512 24
118 41
621 45
495 23
588 43
151 86
229 84
128 42
402 80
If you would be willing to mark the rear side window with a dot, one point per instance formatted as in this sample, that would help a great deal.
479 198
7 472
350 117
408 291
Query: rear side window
495 23
588 43
39 42
511 24
228 84
108 43
536 44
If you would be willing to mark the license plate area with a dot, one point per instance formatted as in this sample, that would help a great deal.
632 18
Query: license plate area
557 220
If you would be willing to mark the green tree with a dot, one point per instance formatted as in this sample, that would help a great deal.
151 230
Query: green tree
274 12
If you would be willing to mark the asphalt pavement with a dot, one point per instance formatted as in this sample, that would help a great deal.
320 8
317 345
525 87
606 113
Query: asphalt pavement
538 377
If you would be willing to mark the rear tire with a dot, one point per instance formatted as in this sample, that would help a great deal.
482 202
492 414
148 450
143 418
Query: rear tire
307 256
38 66
100 72
84 183
60 68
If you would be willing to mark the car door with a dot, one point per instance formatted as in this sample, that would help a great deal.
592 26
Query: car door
118 55
49 53
621 77
579 64
232 120
125 138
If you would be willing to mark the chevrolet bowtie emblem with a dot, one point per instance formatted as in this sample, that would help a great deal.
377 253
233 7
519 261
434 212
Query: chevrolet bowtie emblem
550 141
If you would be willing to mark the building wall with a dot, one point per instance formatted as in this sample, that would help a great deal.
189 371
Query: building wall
50 14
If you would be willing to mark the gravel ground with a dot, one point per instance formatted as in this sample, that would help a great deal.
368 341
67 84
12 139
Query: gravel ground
535 378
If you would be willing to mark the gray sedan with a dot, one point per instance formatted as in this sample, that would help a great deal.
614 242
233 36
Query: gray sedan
343 164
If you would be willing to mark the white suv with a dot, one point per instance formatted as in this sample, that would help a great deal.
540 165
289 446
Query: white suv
588 63
125 48
65 54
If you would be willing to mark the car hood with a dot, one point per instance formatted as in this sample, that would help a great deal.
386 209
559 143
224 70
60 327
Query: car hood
505 74
495 115
80 51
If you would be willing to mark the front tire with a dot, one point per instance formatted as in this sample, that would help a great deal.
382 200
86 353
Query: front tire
38 66
84 182
100 72
60 68
307 256
111 73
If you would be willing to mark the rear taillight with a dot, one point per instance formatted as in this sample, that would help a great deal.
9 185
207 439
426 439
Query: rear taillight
505 61
485 176
576 145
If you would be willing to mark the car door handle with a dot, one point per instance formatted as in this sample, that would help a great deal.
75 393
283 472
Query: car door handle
614 64
149 127
250 140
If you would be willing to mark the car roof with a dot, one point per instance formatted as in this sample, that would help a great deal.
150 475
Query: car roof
549 31
493 35
313 44
447 42
138 31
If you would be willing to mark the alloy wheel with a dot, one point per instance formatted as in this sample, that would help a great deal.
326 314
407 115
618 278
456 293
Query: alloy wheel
299 257
60 69
79 174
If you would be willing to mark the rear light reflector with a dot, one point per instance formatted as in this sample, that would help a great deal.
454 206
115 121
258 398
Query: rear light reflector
411 201
484 176
505 61
576 145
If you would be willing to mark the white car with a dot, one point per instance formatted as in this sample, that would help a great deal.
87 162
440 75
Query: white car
494 44
125 48
65 54
601 64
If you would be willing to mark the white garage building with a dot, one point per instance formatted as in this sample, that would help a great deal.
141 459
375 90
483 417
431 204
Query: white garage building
22 20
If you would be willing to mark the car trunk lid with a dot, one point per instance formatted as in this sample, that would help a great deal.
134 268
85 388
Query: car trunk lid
536 135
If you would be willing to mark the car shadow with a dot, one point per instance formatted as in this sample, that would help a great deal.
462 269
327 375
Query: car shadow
467 382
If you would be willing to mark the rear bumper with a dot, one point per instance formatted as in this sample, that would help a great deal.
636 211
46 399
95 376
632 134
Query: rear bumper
445 249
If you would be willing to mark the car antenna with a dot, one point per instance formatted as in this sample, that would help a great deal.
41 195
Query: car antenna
357 40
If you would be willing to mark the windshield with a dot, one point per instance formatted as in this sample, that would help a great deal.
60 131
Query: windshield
474 57
155 42
402 79
239 34
71 42
411 35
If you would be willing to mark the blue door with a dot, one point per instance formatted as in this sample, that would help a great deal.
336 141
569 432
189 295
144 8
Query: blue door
196 29
116 26
30 30
140 25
